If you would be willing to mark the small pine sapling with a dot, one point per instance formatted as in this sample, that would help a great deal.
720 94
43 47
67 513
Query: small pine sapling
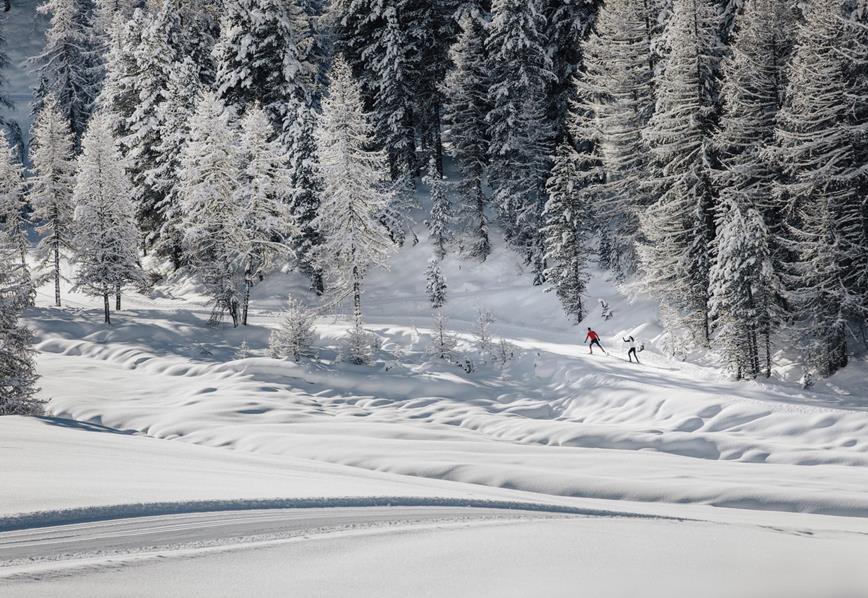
296 335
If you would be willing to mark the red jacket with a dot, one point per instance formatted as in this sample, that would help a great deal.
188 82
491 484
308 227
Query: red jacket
592 335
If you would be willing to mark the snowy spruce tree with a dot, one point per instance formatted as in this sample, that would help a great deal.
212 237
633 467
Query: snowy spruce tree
70 67
617 84
439 221
267 53
569 224
678 229
13 221
822 189
435 285
265 221
106 237
208 193
295 337
518 125
745 288
17 368
465 109
353 198
50 191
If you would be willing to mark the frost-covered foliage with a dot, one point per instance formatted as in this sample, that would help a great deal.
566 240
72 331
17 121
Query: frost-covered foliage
209 175
70 67
519 129
17 368
106 237
466 106
354 194
296 334
440 220
482 331
678 228
435 284
51 186
13 221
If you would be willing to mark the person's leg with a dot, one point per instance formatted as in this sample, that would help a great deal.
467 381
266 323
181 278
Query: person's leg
636 355
630 355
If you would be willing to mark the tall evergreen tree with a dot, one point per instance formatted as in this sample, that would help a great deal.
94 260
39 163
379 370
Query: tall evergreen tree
618 85
106 237
440 219
51 186
466 106
265 220
821 189
354 240
209 174
745 289
69 65
519 127
17 368
13 221
679 227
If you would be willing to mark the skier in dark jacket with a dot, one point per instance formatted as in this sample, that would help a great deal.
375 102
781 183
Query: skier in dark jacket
631 349
595 340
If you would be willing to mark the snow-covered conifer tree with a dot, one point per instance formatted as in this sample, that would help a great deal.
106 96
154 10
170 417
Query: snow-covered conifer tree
744 287
435 284
617 83
51 186
678 228
353 195
439 222
822 189
267 53
295 337
209 175
305 188
106 237
13 222
69 65
17 368
265 220
519 128
466 106
173 124
569 223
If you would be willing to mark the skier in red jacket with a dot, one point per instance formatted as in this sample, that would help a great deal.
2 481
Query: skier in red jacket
595 340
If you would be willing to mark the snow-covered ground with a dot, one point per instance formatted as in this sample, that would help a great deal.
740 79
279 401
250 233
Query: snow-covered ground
159 415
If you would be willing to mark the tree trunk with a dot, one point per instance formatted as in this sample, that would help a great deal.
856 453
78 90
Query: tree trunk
106 305
246 303
57 273
118 298
357 299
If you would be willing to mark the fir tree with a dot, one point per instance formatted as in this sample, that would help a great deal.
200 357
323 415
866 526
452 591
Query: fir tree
444 343
821 189
13 221
51 188
69 65
679 227
295 337
17 368
265 220
435 284
353 195
208 192
519 128
617 84
466 106
745 288
305 188
568 224
106 238
441 210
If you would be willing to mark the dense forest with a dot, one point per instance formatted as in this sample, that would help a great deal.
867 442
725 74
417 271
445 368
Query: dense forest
715 153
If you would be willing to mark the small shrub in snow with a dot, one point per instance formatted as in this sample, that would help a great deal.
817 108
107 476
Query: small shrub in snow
357 347
444 343
243 351
484 342
504 352
294 339
605 312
